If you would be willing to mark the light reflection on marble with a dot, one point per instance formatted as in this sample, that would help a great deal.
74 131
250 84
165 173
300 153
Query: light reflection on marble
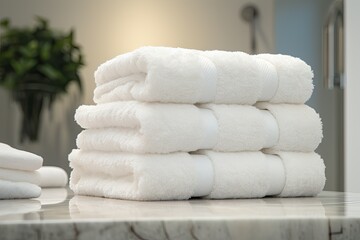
84 207
57 214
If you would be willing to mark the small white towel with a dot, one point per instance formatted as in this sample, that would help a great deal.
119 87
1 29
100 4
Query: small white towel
208 174
52 177
160 74
20 176
17 190
43 177
11 158
163 128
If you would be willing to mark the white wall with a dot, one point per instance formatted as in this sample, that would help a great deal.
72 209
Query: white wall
110 27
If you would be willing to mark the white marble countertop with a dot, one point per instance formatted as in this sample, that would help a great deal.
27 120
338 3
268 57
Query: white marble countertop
57 214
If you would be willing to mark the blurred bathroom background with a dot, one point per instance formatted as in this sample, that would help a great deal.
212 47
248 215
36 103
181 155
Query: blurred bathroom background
111 27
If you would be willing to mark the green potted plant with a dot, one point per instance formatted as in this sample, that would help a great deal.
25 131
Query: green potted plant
37 64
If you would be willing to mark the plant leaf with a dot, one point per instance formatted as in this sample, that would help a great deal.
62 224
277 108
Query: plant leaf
43 23
45 51
50 72
5 23
39 53
9 81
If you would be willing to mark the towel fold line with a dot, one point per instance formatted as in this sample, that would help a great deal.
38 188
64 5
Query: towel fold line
270 83
277 176
204 173
272 129
11 175
208 83
211 129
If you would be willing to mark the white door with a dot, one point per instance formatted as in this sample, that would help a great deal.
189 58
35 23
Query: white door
352 96
298 29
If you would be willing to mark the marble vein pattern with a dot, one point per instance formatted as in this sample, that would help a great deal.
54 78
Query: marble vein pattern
57 214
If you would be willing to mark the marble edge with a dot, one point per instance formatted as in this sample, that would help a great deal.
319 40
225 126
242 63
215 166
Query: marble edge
170 219
229 228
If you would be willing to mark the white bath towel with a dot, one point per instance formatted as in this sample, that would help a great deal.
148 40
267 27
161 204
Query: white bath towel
243 128
300 127
159 74
20 176
163 128
294 78
52 177
17 190
239 175
143 127
11 158
241 78
130 176
208 174
305 174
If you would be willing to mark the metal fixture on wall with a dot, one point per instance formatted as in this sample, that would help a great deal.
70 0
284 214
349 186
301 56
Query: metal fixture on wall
250 13
333 46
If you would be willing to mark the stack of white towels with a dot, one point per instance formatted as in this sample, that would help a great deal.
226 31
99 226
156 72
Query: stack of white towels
22 174
172 123
19 177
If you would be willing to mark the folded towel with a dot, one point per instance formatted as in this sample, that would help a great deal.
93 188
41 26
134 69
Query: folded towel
245 175
144 127
53 177
11 158
43 177
300 127
304 173
294 78
163 128
182 176
16 190
129 176
160 74
20 176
